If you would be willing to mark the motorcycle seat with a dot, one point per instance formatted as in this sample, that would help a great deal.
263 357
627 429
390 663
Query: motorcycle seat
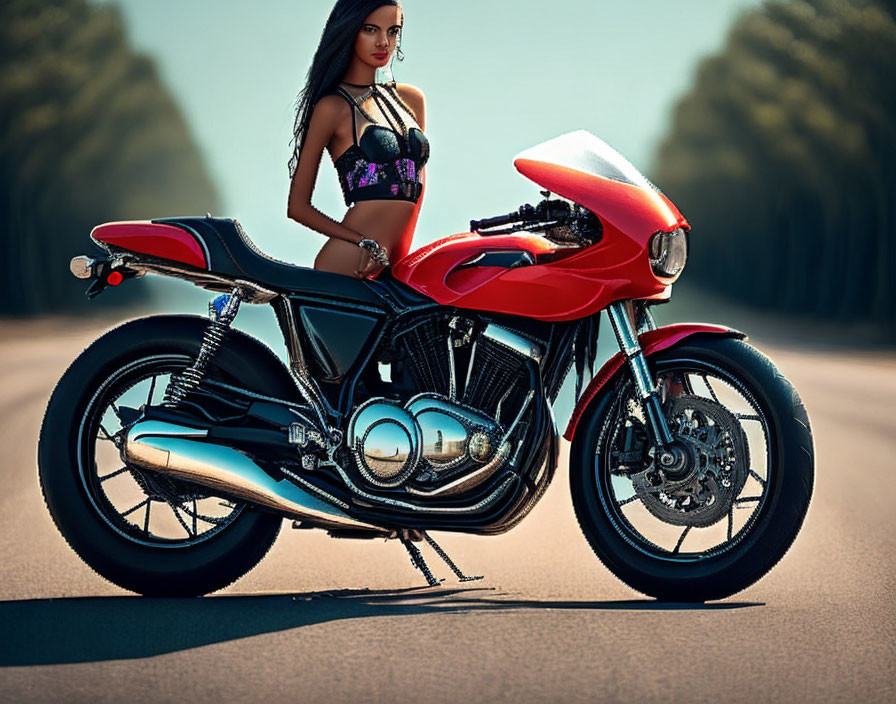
232 253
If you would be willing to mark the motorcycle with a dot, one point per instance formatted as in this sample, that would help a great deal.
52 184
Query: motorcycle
421 400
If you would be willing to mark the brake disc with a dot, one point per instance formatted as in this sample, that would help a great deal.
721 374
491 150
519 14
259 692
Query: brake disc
720 465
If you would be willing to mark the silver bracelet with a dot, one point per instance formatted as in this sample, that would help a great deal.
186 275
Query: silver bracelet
376 251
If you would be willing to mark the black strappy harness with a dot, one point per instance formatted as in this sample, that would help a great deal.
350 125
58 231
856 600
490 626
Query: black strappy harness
385 163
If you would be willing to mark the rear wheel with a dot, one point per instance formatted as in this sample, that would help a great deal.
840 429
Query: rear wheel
140 530
725 524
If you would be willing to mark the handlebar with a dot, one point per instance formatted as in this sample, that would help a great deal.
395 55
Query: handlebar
497 221
546 213
524 215
584 224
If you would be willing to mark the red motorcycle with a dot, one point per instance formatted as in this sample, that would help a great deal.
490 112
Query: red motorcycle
173 446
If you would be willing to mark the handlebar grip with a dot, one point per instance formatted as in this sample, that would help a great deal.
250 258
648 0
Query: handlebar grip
497 221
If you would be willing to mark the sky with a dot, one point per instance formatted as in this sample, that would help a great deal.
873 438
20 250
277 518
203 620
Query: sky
498 76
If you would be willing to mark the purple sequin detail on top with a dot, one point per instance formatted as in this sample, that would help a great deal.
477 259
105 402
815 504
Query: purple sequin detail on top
362 175
359 177
409 169
369 178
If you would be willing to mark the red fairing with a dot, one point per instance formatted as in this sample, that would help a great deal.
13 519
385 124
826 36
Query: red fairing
566 288
432 270
636 211
155 239
557 287
651 342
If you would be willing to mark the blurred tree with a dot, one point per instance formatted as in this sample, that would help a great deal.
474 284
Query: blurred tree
88 134
783 157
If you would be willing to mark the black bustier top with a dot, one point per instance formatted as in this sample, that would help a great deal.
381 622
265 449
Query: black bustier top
385 163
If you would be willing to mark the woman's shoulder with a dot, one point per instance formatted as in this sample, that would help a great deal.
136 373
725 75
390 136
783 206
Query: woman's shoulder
331 103
413 96
330 108
407 88
407 91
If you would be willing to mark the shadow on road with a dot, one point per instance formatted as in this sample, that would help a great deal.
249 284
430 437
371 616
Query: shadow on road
91 629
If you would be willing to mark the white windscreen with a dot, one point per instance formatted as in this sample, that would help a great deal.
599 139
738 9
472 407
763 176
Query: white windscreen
582 151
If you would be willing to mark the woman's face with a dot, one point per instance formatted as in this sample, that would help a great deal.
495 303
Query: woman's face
378 37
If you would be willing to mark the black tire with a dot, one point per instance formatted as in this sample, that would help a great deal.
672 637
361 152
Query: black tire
774 524
152 570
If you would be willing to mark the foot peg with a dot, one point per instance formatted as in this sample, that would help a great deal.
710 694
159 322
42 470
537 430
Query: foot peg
419 562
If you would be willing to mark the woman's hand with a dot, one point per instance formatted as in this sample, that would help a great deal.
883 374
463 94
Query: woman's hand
375 257
376 251
367 267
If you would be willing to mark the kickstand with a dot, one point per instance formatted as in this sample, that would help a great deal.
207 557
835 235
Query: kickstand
418 561
448 561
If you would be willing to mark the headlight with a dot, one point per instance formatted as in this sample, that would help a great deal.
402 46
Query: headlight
668 252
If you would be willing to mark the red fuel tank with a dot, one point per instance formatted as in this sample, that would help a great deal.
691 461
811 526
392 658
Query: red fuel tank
559 284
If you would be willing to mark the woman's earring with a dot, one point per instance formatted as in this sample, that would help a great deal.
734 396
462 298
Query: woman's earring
399 54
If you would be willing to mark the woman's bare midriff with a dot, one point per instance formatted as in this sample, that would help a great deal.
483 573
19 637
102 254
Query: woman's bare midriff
386 221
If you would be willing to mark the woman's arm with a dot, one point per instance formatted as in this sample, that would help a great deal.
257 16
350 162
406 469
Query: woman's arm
326 116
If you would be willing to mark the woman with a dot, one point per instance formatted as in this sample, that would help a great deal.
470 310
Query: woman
374 134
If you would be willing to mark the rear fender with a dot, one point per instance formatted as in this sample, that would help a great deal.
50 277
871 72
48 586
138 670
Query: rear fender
155 239
652 341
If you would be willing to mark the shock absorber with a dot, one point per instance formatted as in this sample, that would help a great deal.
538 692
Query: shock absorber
222 310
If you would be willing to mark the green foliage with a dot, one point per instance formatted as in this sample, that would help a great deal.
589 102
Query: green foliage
783 157
88 134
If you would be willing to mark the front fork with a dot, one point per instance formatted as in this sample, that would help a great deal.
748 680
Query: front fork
669 454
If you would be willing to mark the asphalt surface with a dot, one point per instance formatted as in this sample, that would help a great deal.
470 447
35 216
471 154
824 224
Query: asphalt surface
323 620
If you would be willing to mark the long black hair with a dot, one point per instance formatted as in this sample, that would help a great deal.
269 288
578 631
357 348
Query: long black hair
331 61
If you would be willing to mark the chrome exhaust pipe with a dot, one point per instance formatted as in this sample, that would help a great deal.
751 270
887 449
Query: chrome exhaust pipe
180 451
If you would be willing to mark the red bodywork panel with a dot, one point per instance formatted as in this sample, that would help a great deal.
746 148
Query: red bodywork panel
557 287
632 210
651 342
155 239
566 288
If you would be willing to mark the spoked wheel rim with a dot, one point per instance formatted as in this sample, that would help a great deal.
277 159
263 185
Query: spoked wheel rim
646 526
142 506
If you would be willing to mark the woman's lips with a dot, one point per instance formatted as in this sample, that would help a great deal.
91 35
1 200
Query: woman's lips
382 55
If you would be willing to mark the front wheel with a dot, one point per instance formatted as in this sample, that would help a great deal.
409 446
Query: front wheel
727 522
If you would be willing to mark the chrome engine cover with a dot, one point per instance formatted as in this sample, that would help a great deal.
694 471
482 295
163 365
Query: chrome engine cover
386 442
452 434
429 435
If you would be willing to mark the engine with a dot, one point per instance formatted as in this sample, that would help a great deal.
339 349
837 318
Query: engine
460 426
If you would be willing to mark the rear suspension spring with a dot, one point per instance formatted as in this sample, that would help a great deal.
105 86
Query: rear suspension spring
222 312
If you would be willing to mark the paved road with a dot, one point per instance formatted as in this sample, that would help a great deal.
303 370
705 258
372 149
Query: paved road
322 620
